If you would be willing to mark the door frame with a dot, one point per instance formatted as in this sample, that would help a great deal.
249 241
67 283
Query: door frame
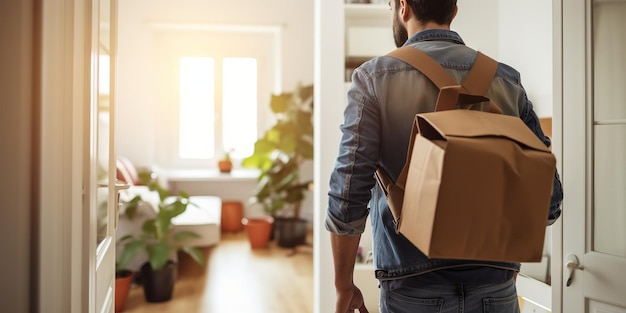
556 264
574 31
63 243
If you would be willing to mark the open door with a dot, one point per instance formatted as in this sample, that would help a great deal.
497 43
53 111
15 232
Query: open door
102 196
594 150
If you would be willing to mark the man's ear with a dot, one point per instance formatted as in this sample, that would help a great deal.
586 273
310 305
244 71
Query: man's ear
405 10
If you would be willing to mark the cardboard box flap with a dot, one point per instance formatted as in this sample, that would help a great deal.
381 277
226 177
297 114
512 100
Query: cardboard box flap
471 123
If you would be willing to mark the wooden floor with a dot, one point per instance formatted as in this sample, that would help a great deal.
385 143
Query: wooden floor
238 279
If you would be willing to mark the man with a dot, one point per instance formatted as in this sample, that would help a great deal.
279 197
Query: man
384 97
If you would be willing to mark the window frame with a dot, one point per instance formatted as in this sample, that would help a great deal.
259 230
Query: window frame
261 43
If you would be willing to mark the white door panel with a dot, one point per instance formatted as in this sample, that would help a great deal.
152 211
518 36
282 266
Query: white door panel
594 150
609 216
599 307
102 176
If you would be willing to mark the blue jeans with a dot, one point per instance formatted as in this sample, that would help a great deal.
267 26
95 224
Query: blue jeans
457 298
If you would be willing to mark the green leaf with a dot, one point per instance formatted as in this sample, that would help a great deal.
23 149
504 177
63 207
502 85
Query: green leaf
289 143
274 136
145 177
280 103
174 209
305 148
129 252
277 204
123 239
158 255
183 195
131 207
306 92
305 122
149 227
264 187
287 180
262 149
195 254
294 195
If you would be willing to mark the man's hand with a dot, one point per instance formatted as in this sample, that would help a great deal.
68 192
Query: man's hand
349 297
350 300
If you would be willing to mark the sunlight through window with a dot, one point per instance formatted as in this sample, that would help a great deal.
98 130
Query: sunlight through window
197 108
239 111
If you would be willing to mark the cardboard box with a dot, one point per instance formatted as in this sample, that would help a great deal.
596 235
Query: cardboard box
478 187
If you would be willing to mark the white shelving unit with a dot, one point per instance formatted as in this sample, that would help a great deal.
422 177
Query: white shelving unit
372 12
368 33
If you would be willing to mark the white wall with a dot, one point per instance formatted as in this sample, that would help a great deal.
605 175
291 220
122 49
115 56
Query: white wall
517 33
525 42
16 130
477 23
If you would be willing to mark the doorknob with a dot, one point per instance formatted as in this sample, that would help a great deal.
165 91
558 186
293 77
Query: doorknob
119 186
572 264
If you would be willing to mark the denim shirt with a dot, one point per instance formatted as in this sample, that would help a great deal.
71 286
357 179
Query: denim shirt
383 99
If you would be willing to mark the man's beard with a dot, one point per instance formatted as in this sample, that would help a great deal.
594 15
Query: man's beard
400 35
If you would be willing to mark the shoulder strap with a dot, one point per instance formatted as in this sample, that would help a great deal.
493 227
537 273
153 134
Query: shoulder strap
479 78
425 64
476 82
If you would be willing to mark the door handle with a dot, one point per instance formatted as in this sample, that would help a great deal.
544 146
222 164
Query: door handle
119 186
572 264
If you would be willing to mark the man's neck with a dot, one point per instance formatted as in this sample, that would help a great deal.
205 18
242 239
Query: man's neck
413 26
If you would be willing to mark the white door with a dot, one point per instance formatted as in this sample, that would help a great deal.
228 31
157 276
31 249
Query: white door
594 155
102 199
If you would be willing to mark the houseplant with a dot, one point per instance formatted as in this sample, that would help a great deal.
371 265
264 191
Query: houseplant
225 164
279 156
124 276
123 280
160 244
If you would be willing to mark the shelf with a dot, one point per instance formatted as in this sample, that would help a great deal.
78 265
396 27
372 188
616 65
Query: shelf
354 61
367 11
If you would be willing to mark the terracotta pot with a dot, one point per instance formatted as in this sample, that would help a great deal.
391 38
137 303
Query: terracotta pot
232 213
123 280
225 166
258 230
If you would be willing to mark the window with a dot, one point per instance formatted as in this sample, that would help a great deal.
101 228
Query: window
239 112
197 108
211 90
211 123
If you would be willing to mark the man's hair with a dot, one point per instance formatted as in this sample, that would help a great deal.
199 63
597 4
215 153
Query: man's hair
438 11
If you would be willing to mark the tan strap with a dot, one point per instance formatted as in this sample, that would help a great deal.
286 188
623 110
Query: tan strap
425 64
479 78
474 87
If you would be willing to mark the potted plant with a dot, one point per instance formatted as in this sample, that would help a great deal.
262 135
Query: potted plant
225 164
161 244
279 155
123 281
124 276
